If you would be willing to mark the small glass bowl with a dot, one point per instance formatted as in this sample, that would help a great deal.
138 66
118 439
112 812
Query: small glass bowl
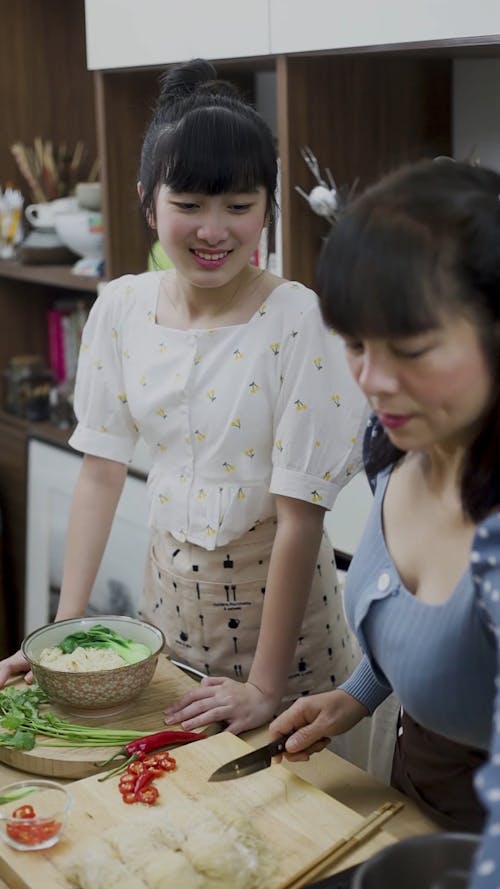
36 818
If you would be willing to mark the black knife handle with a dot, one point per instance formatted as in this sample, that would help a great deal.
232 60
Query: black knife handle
278 746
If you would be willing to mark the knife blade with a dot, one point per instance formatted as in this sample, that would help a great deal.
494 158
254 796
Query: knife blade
250 762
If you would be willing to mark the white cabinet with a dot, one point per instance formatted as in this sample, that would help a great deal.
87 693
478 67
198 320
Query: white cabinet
128 33
297 26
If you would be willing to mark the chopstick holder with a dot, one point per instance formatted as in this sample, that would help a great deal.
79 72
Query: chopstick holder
342 846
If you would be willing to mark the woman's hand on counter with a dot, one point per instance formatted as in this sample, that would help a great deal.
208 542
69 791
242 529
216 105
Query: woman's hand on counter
12 665
241 705
314 720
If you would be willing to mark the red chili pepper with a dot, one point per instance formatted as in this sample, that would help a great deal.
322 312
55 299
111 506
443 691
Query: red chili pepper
143 780
139 746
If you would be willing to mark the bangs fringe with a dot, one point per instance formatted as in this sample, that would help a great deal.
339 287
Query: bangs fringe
212 152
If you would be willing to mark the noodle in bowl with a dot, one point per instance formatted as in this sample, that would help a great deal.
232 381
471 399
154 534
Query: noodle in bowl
96 690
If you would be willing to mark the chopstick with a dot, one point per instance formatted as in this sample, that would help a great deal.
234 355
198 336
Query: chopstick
342 846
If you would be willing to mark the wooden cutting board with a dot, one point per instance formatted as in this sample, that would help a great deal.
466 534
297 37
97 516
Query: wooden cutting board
297 820
144 714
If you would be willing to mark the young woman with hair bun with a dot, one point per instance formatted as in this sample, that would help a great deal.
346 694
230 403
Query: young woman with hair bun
254 424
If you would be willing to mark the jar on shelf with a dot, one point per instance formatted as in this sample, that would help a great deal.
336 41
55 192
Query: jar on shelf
28 383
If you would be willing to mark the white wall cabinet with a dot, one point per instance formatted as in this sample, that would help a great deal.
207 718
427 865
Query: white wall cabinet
296 26
129 34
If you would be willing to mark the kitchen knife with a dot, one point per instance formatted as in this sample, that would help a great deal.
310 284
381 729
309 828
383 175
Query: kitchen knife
250 762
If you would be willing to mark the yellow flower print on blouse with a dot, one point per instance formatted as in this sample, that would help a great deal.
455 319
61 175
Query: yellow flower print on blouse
163 347
249 452
254 387
104 429
163 498
135 426
126 353
300 405
122 396
114 333
318 363
275 348
236 423
326 476
197 358
237 355
211 395
143 381
161 447
278 444
209 531
150 316
202 494
98 364
161 412
199 435
336 400
229 467
240 494
316 497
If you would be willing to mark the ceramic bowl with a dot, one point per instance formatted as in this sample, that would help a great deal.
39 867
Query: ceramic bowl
82 231
88 195
35 816
102 692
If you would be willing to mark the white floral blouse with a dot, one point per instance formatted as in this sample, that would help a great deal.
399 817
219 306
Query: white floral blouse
232 415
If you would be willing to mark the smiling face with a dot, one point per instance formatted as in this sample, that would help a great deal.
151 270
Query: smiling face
210 239
428 389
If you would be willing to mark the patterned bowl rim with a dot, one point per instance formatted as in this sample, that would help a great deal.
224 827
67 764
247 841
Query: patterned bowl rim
94 620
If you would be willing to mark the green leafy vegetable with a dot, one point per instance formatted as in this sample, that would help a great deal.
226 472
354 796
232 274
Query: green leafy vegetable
21 717
102 637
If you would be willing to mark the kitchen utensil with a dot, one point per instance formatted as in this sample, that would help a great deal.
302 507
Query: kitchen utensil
341 847
145 714
296 820
250 762
433 861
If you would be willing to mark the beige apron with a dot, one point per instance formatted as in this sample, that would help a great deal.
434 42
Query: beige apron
209 606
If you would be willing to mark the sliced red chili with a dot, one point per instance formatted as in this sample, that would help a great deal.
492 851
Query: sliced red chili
34 833
129 797
148 795
24 812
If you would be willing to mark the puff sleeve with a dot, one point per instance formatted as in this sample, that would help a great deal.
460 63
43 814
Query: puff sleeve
320 417
105 426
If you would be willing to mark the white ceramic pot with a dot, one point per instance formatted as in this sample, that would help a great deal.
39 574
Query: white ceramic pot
42 216
82 232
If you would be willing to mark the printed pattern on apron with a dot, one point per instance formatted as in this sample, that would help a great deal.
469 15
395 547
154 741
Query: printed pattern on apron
209 606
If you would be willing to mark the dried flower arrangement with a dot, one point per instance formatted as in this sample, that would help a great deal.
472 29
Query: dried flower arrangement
326 199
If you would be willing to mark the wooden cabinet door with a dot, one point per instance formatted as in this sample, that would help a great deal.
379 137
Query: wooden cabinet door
296 26
125 33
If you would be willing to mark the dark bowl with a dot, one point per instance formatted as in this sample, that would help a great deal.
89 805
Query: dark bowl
431 861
